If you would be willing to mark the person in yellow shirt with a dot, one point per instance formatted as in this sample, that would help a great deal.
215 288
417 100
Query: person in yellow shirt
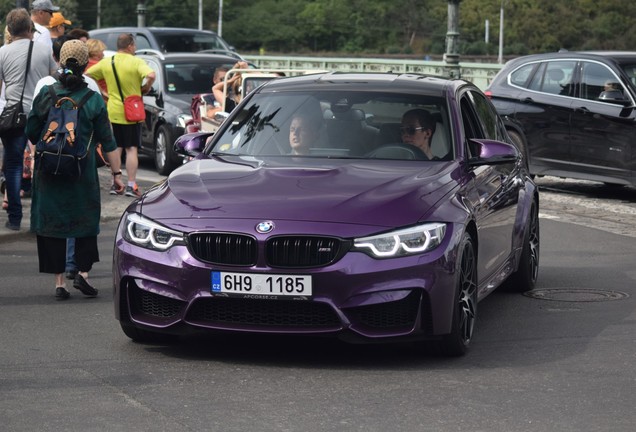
134 77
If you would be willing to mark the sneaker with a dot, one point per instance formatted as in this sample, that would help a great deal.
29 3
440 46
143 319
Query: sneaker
133 192
11 226
71 274
114 191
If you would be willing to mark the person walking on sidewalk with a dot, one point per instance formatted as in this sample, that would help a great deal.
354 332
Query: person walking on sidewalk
131 72
19 81
66 207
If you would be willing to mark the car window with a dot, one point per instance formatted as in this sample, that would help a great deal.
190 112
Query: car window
487 116
597 78
343 125
189 42
142 42
521 76
630 71
555 77
156 67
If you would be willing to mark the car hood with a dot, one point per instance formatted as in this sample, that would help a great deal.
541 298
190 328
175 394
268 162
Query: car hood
378 193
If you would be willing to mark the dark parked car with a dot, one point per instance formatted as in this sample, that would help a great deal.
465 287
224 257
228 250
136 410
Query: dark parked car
573 113
167 39
179 78
363 237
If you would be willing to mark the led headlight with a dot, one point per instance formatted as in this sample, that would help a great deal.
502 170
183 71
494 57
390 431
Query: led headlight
149 234
408 241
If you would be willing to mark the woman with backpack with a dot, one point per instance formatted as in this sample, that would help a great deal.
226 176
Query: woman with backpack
68 205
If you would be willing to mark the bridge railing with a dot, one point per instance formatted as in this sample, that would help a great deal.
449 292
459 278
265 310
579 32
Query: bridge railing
481 74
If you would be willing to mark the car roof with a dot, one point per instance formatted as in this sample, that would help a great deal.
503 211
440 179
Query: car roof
590 55
151 30
179 56
368 81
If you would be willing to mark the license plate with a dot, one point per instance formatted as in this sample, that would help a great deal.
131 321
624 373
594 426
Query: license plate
259 284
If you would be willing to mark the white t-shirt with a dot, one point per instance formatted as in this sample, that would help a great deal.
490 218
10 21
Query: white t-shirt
42 35
48 80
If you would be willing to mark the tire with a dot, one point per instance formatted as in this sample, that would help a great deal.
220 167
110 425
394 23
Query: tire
525 278
144 336
457 342
166 159
520 143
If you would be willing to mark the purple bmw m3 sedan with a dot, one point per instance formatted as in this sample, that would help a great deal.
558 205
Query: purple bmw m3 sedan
369 207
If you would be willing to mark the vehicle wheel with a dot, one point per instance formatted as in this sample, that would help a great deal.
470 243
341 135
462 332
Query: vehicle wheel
520 143
144 336
166 159
525 278
465 309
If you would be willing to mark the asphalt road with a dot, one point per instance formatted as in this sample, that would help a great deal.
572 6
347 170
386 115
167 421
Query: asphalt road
563 360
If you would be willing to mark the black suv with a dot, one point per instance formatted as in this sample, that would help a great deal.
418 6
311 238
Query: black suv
179 78
573 113
167 39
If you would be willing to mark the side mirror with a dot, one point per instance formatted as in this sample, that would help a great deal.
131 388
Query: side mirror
490 152
192 144
615 97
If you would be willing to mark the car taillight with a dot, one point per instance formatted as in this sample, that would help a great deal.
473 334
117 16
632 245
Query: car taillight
488 94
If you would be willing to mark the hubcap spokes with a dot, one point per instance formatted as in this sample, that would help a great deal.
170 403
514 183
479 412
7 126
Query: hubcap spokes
467 295
161 149
533 239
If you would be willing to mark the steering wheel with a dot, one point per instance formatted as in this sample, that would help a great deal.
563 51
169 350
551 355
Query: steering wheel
397 151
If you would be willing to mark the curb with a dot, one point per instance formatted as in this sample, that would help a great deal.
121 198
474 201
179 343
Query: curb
113 206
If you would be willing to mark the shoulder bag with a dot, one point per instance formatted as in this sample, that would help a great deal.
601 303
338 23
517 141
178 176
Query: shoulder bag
13 116
133 105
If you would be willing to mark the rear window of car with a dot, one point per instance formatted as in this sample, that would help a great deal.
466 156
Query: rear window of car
520 76
188 42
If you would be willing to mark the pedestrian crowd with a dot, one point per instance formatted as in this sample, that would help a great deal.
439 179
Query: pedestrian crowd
45 67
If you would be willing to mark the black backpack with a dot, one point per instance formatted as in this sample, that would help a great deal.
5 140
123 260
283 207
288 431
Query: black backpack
60 151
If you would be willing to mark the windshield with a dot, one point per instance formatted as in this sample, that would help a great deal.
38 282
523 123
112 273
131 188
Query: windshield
189 42
339 125
630 71
190 78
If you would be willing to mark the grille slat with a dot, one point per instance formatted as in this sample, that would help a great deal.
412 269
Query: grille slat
222 248
390 315
152 304
269 313
284 251
302 251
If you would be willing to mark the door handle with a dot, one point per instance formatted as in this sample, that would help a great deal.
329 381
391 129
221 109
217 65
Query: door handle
528 100
582 110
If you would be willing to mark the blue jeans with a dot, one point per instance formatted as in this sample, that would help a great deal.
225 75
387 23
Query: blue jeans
70 255
12 165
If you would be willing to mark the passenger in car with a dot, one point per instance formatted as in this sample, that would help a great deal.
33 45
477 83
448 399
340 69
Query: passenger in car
417 129
304 131
233 96
213 106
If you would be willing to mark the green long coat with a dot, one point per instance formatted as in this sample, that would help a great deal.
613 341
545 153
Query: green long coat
63 207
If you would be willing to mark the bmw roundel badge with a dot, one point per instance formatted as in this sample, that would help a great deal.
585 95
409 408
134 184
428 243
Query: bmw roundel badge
265 227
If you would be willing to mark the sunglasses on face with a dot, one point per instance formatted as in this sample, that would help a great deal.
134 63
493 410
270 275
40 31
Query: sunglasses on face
410 130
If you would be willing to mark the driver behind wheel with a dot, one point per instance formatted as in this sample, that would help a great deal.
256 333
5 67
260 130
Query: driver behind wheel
417 129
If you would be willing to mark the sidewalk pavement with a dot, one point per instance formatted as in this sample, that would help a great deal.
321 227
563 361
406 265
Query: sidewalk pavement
113 207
